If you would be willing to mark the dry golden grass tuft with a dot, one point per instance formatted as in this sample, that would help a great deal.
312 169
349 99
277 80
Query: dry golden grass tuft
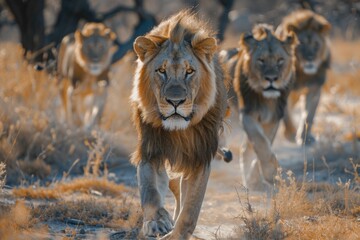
304 211
89 210
18 223
83 185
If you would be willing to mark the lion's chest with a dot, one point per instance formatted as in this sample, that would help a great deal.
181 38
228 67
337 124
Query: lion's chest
268 112
184 150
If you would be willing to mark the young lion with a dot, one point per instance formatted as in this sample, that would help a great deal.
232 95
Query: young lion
262 71
179 102
83 67
312 62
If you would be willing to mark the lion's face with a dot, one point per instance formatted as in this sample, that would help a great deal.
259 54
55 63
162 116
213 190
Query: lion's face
95 47
181 79
270 63
312 30
311 51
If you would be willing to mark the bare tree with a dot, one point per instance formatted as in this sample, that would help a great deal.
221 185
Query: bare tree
29 15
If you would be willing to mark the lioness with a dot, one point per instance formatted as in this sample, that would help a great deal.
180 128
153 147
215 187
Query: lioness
179 102
312 61
263 69
83 69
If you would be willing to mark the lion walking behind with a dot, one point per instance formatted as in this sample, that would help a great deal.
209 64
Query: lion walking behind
83 69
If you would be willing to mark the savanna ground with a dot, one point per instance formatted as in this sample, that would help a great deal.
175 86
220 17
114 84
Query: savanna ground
65 183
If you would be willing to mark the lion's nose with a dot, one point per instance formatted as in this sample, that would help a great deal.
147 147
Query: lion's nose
271 78
175 102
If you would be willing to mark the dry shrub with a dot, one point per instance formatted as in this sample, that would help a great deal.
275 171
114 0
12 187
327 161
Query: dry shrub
95 153
87 210
304 211
83 185
323 227
17 223
256 224
290 200
36 168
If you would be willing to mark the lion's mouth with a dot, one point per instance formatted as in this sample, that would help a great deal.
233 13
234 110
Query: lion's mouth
271 88
271 92
177 115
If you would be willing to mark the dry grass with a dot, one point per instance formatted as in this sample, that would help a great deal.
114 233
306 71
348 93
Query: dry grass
100 186
34 141
22 225
107 212
298 212
36 146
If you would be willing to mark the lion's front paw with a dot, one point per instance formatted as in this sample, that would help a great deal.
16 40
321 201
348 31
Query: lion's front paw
159 226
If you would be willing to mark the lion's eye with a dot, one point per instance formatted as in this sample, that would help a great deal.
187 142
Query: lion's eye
161 70
190 71
260 61
280 61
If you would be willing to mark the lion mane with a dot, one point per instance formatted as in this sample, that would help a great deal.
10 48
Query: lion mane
192 148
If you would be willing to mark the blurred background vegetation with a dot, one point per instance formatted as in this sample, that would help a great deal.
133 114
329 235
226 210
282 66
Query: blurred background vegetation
41 24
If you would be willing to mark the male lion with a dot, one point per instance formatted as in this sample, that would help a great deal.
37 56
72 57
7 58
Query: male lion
263 69
312 61
83 67
179 102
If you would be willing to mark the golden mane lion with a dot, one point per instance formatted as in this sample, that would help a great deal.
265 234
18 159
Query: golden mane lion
263 69
179 102
83 68
312 61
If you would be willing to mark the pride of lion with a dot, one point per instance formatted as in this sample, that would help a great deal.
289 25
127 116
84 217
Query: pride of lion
182 89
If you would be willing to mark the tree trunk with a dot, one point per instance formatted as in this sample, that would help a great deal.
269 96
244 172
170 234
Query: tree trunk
29 15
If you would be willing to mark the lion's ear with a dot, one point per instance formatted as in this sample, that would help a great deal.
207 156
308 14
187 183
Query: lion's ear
291 28
207 46
78 36
110 34
144 47
324 27
247 40
290 41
